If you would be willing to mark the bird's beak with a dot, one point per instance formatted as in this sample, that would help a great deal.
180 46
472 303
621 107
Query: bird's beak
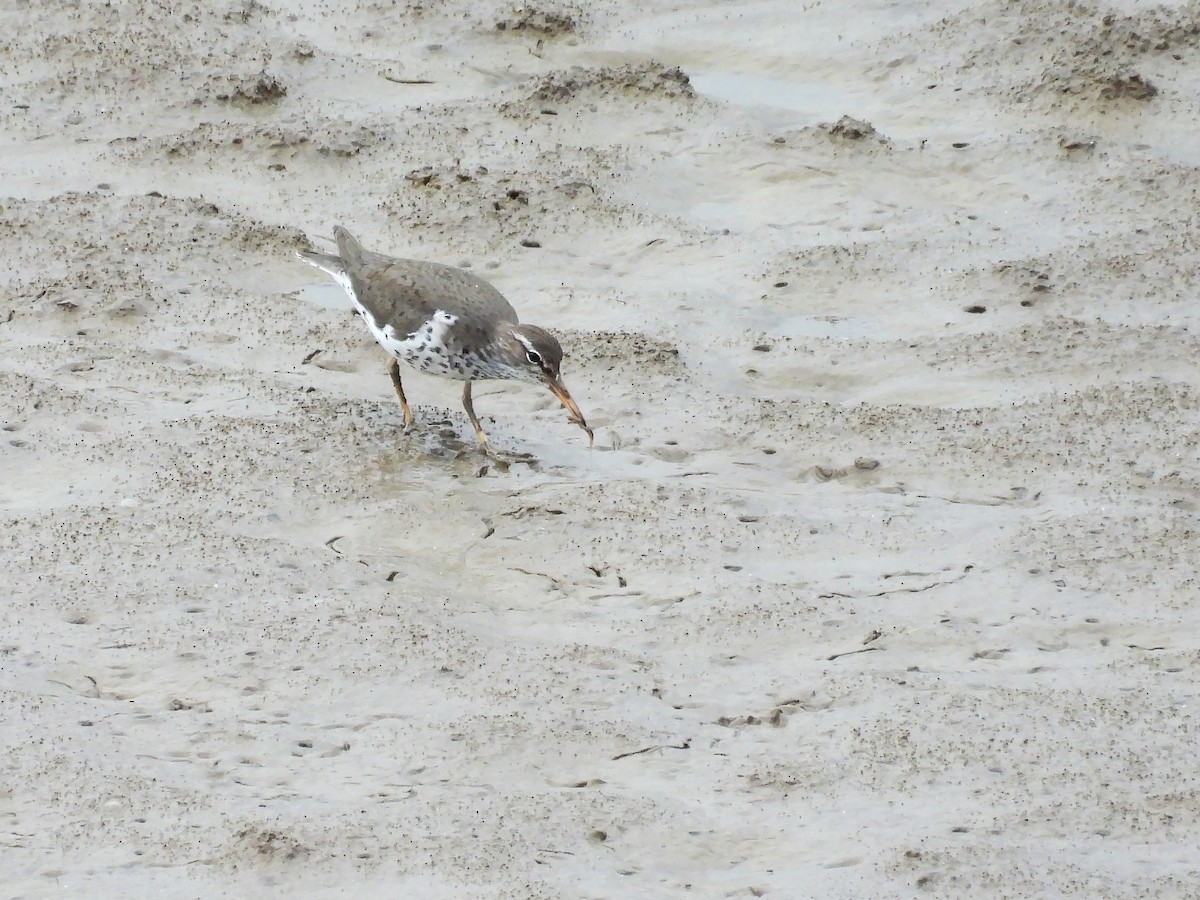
564 396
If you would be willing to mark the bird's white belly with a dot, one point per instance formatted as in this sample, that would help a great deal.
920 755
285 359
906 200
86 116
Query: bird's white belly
428 349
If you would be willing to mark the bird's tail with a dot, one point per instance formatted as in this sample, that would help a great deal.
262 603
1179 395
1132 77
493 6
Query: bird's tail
348 246
350 254
326 262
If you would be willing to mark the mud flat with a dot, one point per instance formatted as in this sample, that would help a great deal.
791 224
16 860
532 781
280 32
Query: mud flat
880 578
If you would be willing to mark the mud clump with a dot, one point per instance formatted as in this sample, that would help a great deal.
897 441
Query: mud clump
1097 58
1051 52
649 79
259 89
1151 31
543 23
1135 87
272 845
437 178
245 12
850 130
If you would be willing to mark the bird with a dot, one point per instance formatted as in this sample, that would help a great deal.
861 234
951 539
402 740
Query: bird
445 321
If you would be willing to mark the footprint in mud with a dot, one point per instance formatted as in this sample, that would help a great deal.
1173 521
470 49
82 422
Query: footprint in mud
861 466
333 363
671 452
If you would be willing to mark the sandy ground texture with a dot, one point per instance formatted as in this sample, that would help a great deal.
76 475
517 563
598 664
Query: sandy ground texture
880 580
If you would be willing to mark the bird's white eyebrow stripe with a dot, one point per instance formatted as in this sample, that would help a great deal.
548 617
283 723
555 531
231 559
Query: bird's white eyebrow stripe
528 346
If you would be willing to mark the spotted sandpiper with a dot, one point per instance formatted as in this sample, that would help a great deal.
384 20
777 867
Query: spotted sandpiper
444 321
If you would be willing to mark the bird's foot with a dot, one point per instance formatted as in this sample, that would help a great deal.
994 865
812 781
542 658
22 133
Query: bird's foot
503 460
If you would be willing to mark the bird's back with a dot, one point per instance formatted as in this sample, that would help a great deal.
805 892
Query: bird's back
406 293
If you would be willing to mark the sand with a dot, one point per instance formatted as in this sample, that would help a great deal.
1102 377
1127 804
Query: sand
880 580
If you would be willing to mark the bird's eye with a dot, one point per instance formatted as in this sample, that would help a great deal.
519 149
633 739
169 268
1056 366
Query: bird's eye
534 357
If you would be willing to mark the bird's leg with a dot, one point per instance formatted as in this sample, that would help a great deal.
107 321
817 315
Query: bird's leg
470 408
503 461
409 418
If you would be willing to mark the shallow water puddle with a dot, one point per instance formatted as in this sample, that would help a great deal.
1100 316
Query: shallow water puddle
328 296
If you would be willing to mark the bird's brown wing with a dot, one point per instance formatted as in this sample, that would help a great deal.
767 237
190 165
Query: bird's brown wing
406 293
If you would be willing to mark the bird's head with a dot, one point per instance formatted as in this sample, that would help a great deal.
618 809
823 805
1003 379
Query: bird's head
536 356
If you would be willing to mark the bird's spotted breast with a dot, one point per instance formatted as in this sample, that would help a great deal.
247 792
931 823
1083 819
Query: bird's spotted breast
426 348
433 348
